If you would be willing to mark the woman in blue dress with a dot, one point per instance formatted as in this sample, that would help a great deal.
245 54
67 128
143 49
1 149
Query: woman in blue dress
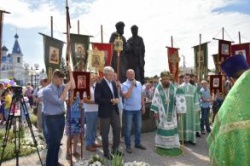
73 120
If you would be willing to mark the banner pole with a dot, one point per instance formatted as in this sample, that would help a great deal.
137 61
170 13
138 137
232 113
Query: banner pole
71 92
199 60
118 65
182 131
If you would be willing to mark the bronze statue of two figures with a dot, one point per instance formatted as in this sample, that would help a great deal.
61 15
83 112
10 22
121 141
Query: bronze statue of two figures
132 55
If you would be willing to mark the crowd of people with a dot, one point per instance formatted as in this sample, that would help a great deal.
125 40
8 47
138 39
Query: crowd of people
182 111
103 111
6 92
182 108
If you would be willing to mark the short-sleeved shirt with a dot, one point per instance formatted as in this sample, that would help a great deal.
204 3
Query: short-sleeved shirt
7 101
40 96
53 104
91 107
205 93
133 103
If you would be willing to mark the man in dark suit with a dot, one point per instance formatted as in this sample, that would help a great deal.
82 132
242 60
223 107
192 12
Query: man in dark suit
106 96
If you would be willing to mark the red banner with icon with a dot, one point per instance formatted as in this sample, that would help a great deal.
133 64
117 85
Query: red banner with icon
82 80
224 50
243 49
173 62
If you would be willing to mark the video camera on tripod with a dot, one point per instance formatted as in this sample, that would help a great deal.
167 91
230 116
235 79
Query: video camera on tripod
17 89
17 111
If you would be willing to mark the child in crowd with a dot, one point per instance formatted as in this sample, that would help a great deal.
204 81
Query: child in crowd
73 124
217 104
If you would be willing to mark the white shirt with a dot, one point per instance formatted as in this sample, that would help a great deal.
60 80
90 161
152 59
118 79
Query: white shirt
110 86
91 107
40 97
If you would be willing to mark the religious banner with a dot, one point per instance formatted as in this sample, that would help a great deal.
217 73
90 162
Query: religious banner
201 60
173 62
79 50
243 49
108 51
216 84
224 50
216 63
82 80
96 60
52 54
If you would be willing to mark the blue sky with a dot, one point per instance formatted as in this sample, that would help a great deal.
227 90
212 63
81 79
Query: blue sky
241 7
157 22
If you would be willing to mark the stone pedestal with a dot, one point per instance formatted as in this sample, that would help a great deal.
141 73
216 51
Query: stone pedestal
148 121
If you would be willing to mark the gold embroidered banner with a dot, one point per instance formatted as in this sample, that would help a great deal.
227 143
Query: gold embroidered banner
201 60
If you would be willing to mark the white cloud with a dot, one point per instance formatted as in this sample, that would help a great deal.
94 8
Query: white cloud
157 22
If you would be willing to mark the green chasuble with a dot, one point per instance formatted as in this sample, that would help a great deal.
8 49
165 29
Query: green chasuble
163 103
229 141
189 119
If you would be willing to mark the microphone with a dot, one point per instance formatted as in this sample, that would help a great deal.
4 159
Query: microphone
134 82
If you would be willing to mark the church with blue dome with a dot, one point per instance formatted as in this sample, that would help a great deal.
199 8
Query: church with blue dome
12 63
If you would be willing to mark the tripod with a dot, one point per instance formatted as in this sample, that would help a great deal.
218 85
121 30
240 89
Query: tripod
17 108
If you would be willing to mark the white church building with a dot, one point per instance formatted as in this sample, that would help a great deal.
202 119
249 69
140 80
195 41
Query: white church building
12 63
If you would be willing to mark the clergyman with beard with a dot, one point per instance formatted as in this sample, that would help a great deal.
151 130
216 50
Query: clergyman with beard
165 106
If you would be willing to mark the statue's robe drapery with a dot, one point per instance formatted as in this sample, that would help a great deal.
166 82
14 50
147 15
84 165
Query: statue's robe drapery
135 53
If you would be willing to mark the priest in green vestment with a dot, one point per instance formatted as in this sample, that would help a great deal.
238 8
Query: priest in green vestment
229 141
194 82
166 103
189 119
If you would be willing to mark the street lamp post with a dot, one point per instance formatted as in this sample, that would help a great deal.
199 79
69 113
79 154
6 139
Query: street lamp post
26 68
35 80
31 73
36 74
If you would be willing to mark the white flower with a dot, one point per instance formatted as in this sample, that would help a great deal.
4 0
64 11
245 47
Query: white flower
96 163
82 162
95 160
135 163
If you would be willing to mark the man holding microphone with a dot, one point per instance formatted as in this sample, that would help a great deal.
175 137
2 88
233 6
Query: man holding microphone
134 107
